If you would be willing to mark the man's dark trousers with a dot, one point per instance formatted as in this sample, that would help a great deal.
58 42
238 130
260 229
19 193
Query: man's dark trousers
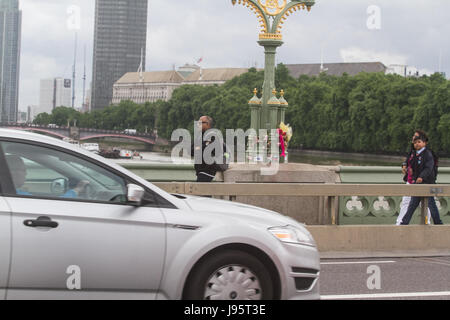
202 177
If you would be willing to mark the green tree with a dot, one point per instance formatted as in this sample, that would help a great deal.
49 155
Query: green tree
364 113
43 119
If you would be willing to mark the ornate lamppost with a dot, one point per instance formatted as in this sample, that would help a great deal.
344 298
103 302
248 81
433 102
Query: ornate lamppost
268 111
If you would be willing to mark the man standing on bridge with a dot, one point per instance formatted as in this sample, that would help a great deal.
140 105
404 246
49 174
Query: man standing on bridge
206 170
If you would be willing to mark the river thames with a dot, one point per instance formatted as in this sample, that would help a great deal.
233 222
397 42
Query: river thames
307 156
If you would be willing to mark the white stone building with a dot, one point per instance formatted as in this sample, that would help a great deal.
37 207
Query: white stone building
146 86
407 71
54 92
159 85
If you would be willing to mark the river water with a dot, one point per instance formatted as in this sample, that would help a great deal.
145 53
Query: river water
310 157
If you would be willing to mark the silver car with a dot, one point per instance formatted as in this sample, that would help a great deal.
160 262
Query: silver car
75 226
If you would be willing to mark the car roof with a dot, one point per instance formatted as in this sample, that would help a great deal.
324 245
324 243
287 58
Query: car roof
22 134
40 138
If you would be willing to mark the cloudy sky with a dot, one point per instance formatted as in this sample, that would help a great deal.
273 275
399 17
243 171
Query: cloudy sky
413 32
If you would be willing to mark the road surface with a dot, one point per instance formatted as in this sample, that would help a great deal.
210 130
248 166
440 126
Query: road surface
425 278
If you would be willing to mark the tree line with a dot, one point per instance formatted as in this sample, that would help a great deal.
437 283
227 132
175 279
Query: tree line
369 112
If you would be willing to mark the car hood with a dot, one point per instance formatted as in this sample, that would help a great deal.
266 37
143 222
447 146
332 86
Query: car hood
238 210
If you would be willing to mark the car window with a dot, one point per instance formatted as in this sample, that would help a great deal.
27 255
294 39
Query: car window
43 172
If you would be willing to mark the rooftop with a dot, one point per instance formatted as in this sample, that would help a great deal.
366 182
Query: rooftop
151 77
217 74
335 69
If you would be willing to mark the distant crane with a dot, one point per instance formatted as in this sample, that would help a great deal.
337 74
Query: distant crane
74 71
141 68
322 68
84 80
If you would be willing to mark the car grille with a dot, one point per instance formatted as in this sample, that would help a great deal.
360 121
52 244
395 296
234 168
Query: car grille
303 284
305 279
304 270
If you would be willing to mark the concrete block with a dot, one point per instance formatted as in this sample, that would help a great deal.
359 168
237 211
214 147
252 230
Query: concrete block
374 240
308 210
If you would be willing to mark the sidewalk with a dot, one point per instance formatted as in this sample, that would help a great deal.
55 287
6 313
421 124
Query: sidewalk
377 241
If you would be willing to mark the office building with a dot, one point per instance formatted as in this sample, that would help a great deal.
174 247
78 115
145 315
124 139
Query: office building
407 71
119 45
146 87
10 35
32 112
335 69
56 92
159 85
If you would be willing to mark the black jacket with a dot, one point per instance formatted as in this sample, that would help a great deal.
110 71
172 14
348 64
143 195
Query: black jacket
423 166
210 169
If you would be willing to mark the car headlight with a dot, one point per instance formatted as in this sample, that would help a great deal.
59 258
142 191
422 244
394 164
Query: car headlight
291 234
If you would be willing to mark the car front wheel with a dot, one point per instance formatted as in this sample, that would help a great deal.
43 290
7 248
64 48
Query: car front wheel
229 275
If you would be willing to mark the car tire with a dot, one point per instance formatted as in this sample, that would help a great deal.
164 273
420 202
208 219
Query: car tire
229 275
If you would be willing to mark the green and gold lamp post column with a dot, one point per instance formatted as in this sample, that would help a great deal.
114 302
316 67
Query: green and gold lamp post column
271 14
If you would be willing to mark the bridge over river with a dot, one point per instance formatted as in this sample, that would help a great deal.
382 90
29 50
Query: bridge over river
85 134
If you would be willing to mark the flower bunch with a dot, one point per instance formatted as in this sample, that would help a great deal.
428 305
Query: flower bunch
285 135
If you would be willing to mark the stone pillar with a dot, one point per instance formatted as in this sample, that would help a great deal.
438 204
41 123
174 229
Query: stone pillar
255 112
74 133
282 108
309 210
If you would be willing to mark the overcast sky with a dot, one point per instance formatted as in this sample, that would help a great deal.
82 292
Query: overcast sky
413 32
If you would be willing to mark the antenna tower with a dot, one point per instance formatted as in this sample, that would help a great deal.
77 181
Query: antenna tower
74 71
84 80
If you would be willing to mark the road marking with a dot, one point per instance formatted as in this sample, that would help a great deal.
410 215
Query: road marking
385 295
435 261
355 262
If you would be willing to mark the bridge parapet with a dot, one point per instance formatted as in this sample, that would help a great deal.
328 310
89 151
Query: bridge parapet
347 195
335 198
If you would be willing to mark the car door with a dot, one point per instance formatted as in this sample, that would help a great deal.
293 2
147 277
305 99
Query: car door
73 243
5 246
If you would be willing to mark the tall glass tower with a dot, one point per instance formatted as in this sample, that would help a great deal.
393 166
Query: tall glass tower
10 35
119 42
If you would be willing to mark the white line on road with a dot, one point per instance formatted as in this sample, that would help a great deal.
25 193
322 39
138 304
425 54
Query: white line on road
355 262
385 295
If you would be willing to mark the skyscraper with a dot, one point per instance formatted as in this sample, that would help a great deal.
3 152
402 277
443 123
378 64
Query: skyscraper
119 41
10 34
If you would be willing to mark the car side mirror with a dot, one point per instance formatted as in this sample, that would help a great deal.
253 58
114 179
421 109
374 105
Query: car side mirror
59 186
135 194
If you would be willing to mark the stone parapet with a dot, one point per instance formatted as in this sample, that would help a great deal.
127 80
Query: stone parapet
381 241
309 210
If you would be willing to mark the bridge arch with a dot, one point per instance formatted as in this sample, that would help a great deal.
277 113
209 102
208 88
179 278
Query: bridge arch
123 136
85 134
